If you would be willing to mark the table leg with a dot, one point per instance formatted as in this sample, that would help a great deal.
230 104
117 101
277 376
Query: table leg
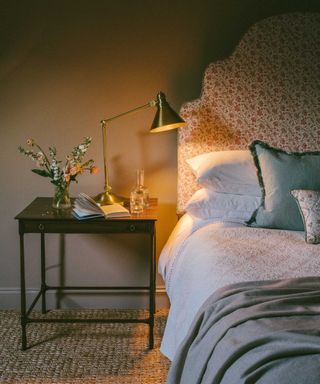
43 275
152 292
23 317
154 252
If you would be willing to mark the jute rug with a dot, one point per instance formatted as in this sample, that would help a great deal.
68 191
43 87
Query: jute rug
82 353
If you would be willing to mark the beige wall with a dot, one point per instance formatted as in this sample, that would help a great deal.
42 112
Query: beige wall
65 65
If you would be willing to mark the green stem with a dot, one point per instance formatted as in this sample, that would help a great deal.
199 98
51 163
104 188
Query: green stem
47 162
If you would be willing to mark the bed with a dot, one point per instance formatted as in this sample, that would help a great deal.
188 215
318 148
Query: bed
266 93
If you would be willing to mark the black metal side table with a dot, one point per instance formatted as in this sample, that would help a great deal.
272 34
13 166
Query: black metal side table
39 217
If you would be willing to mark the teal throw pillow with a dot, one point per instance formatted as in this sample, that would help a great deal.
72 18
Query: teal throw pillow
279 172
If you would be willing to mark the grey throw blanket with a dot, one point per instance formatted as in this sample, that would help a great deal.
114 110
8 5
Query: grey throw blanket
254 332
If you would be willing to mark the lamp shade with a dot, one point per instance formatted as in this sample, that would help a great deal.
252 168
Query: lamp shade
166 118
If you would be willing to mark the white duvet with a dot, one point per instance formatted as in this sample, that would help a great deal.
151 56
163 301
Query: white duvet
202 256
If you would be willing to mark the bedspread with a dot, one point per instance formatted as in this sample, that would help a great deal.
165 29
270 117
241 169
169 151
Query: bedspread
255 332
205 256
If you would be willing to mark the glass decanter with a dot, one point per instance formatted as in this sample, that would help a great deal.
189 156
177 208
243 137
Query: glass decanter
139 196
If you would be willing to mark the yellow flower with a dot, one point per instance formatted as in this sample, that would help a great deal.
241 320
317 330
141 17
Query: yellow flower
30 142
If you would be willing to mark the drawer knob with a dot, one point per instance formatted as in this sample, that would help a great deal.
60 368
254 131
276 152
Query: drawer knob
41 227
132 228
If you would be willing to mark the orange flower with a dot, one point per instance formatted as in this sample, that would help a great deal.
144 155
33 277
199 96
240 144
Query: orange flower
80 169
30 142
76 169
94 170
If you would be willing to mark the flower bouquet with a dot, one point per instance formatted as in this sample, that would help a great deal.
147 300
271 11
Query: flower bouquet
60 175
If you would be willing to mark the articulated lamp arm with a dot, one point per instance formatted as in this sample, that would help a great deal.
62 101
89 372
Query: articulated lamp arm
166 118
103 124
151 103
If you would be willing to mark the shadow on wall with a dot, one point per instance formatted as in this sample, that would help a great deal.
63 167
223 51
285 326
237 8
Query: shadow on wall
227 21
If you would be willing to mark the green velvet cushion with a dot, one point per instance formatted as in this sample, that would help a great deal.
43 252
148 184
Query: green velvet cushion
279 172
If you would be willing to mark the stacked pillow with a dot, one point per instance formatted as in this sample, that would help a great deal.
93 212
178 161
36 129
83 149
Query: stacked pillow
209 204
227 172
231 191
264 187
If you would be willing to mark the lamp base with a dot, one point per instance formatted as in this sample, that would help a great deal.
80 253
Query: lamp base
107 198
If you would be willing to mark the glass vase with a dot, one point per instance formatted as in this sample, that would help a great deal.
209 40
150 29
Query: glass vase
61 199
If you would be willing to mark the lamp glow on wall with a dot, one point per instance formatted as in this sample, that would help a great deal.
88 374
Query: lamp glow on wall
165 119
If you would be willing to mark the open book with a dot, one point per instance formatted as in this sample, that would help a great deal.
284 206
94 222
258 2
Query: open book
86 208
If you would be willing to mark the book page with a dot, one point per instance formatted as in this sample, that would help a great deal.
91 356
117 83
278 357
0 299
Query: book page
86 208
115 210
86 202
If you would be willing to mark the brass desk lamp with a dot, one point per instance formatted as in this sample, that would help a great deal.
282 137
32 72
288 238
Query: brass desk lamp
166 118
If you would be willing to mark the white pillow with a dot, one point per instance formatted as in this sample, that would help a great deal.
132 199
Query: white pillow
227 171
207 204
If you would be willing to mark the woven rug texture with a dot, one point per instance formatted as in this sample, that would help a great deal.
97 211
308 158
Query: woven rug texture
82 353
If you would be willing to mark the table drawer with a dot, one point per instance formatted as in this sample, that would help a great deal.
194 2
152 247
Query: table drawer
103 226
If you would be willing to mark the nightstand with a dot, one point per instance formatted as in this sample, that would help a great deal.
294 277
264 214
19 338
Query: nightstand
39 217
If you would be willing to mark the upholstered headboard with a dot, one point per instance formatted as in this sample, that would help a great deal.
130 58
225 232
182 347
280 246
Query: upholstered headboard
268 89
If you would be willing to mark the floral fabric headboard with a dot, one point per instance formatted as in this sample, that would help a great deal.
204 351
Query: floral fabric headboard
268 89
